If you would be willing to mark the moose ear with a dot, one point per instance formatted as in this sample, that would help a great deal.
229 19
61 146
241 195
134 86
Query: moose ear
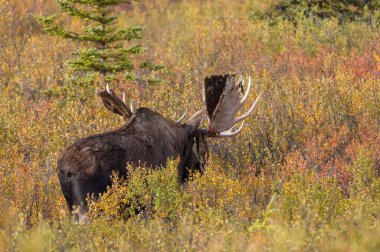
196 119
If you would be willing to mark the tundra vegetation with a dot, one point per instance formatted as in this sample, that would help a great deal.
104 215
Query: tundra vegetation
304 174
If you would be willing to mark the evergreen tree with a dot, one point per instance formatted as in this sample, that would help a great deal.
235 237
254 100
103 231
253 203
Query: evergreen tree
106 53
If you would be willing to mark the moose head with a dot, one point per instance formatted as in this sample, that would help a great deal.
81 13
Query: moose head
150 139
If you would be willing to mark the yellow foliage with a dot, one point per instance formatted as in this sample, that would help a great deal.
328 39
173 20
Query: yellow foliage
303 174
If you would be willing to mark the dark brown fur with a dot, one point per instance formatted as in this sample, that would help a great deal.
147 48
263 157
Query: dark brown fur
147 139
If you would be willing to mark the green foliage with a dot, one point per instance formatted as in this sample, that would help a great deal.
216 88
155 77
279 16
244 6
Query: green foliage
152 193
105 52
343 10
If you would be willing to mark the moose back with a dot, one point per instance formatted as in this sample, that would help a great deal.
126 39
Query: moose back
149 139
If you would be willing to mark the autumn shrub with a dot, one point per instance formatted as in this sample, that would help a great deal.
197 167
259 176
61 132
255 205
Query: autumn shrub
152 193
346 11
302 175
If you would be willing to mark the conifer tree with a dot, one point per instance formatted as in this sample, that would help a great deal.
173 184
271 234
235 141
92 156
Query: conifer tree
106 53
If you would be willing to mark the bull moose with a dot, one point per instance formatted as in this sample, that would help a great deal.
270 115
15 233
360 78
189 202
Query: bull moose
150 139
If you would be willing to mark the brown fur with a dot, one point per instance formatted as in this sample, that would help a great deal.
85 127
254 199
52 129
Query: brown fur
147 139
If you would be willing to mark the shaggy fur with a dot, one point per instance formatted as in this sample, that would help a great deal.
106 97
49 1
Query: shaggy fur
147 139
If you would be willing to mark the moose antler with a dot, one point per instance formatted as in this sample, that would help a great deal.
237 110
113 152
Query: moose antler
114 103
179 119
222 95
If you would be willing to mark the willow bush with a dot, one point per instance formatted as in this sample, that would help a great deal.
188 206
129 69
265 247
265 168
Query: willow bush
303 174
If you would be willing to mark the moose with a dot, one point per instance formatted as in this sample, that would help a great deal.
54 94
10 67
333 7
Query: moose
150 139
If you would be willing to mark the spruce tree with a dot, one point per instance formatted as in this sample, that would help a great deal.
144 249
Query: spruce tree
105 53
